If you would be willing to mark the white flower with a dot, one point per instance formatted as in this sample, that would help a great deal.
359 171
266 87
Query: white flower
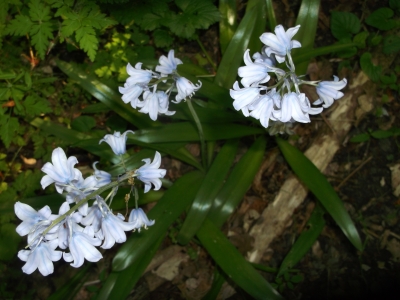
41 257
253 73
131 93
263 107
140 219
93 217
264 58
281 42
103 178
295 107
155 103
117 141
31 219
150 173
168 65
329 91
244 97
61 172
64 230
113 228
185 89
81 247
80 190
137 75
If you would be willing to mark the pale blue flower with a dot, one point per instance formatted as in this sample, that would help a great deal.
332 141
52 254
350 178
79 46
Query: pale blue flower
155 103
61 172
263 107
31 218
168 64
244 97
137 75
140 219
102 177
132 92
185 89
41 256
281 42
253 73
329 91
113 228
150 173
117 141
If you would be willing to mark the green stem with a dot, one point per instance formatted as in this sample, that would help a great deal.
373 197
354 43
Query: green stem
90 196
201 134
206 53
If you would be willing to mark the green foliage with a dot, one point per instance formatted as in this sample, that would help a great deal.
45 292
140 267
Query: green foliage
373 71
377 134
344 25
381 19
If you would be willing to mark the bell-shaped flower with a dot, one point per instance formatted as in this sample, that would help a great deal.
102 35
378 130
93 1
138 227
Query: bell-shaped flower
80 190
140 219
137 75
253 73
131 93
31 218
155 103
263 107
63 233
168 64
150 173
244 97
281 42
61 172
94 216
329 91
294 107
113 228
117 141
102 177
185 89
41 256
81 246
262 57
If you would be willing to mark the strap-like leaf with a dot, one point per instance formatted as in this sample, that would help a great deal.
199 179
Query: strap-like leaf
228 23
321 188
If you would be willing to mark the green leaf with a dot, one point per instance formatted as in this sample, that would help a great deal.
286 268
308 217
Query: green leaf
21 25
360 39
344 25
208 191
359 138
373 72
8 128
391 79
35 105
395 4
391 44
196 14
308 19
72 286
164 213
86 36
383 134
271 15
233 57
228 23
237 183
381 19
304 242
9 241
229 259
83 123
321 188
162 38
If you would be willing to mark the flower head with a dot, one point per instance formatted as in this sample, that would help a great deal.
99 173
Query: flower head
185 88
61 172
137 75
281 42
150 173
131 93
329 91
31 218
168 64
117 141
155 103
263 107
138 217
244 97
253 73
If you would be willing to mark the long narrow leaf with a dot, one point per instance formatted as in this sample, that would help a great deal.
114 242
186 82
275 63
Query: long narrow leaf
233 263
271 15
308 19
237 183
119 284
207 192
228 23
167 210
321 188
307 238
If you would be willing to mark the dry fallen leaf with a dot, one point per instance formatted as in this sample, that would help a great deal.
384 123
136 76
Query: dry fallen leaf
28 161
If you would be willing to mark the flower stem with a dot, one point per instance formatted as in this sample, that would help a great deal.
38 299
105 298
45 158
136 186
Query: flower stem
206 53
201 134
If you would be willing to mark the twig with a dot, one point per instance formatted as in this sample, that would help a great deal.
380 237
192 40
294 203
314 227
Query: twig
352 173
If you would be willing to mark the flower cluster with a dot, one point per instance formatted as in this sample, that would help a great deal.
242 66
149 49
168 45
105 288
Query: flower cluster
144 83
74 233
279 101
